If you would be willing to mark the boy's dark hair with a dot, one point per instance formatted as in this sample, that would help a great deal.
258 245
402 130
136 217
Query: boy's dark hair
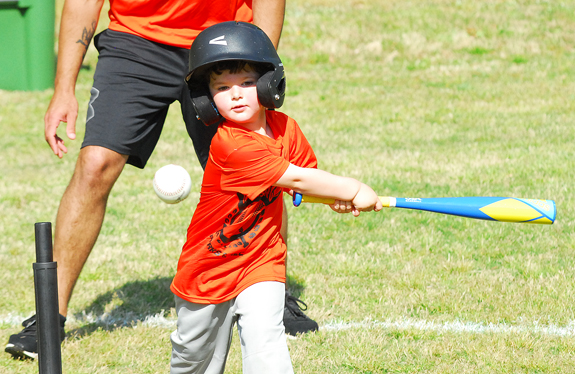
234 66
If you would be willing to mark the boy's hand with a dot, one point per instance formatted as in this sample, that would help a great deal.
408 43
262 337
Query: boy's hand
341 206
365 200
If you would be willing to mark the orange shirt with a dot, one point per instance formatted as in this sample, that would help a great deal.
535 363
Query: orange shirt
174 22
234 238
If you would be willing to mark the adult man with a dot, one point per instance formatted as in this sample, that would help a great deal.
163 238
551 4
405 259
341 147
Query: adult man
142 63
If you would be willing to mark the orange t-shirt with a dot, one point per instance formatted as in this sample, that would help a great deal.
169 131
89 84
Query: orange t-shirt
174 22
234 238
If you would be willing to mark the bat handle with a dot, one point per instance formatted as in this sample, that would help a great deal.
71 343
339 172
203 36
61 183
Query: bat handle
387 202
298 198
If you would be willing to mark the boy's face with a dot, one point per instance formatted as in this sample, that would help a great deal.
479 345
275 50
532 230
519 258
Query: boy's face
235 95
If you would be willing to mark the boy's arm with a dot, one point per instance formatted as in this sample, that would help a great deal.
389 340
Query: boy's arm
320 183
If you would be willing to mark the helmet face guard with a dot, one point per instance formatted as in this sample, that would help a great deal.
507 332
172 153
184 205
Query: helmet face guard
233 41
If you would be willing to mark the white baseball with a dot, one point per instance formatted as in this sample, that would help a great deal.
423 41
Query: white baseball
172 183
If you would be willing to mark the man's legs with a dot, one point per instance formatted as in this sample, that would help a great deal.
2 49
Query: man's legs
81 214
129 102
78 224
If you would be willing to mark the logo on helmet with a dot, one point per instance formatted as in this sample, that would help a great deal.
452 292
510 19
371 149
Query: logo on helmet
219 40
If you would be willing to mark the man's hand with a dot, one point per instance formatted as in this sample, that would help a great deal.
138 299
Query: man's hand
62 108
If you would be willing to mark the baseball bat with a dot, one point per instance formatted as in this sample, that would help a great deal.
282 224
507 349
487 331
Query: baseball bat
503 209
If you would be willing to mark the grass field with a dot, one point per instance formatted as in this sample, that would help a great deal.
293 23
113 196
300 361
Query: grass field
416 98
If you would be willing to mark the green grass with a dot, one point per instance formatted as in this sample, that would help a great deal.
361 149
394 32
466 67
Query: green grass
417 99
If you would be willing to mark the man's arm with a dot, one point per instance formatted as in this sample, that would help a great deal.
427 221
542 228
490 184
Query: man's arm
269 16
78 25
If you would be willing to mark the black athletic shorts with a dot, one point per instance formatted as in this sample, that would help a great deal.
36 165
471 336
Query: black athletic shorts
135 82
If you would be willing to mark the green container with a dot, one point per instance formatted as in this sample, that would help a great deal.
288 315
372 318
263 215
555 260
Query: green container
27 57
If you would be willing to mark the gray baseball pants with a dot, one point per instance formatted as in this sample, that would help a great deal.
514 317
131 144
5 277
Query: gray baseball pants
202 340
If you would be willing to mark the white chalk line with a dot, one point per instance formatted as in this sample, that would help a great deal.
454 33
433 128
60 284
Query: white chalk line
159 320
458 327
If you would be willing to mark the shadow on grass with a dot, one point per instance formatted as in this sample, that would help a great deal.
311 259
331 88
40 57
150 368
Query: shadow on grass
127 305
136 302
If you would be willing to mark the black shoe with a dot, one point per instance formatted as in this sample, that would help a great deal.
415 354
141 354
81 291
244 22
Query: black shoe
295 321
24 344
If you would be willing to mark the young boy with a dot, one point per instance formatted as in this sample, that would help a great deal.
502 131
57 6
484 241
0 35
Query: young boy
232 266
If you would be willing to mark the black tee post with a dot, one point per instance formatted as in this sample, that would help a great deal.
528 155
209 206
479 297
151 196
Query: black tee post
46 289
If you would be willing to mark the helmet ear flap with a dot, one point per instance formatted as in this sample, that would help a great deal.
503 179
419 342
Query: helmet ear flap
271 88
205 108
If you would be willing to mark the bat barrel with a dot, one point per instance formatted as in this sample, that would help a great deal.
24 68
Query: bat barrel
504 209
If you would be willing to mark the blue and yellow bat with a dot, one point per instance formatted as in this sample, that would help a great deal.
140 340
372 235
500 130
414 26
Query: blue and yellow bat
503 209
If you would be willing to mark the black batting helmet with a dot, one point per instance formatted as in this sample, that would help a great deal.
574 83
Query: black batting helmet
234 41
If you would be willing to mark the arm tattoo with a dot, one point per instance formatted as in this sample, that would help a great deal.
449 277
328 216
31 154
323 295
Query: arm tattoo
87 37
